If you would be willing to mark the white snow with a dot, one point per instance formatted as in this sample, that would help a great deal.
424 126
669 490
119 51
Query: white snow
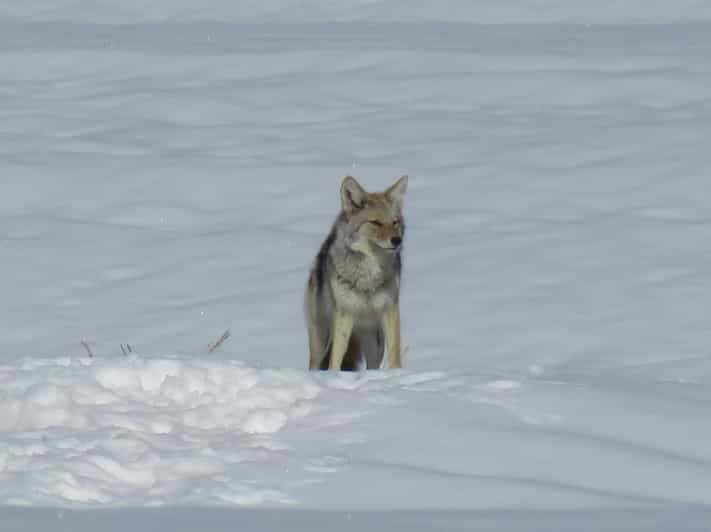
168 171
141 431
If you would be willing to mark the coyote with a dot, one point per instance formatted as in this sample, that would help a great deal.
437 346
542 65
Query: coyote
352 296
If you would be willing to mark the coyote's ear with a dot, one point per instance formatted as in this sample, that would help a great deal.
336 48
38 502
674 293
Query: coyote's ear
397 191
352 195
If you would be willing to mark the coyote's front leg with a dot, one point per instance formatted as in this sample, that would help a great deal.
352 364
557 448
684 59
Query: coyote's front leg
342 328
391 326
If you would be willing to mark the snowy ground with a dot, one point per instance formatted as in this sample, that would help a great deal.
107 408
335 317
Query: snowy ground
168 172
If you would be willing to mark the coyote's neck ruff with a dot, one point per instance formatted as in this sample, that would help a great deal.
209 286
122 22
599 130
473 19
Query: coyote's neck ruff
352 298
364 272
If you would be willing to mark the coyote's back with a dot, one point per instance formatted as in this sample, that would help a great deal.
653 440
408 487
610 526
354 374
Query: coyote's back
352 296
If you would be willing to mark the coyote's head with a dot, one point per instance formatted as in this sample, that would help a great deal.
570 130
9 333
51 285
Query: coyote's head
374 220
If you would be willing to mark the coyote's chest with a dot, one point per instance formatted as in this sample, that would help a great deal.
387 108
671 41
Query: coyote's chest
365 289
359 302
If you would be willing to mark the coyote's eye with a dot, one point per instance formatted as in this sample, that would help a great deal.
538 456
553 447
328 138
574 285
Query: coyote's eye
396 223
376 223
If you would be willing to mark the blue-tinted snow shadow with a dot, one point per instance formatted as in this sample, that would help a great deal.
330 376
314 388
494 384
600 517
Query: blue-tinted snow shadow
676 518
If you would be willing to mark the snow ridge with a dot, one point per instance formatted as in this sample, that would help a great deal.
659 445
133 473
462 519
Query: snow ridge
141 430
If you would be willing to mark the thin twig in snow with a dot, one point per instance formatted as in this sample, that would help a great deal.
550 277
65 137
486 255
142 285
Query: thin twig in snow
213 346
88 349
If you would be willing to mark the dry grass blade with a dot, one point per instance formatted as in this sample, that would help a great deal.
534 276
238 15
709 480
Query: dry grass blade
88 349
126 350
213 346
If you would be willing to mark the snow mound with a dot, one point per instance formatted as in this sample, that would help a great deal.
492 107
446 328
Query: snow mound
141 430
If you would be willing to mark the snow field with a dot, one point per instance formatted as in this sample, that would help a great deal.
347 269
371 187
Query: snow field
157 431
410 11
169 170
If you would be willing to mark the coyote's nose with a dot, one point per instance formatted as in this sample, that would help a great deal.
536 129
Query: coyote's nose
396 241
